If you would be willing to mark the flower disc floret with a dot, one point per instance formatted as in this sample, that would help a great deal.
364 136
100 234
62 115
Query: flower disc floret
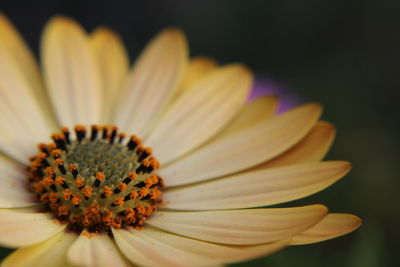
96 181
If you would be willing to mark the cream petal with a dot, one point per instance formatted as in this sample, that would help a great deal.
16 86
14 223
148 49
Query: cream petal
253 113
14 140
13 185
10 36
16 146
243 149
257 188
113 61
21 115
49 253
13 195
26 64
197 69
239 227
152 83
95 250
312 148
332 226
11 170
200 112
71 73
26 228
151 247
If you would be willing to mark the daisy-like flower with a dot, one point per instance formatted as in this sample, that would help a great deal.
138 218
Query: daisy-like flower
161 165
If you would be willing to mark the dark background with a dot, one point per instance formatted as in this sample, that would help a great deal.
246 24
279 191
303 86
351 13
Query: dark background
343 54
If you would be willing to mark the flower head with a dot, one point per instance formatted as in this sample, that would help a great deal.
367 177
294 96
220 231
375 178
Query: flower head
161 165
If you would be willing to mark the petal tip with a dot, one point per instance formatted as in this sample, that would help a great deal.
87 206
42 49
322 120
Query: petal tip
346 166
345 223
173 36
174 33
61 23
315 107
236 69
61 19
342 166
322 208
104 31
357 221
327 126
319 210
309 109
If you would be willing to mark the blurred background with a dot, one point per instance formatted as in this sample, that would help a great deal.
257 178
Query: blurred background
342 54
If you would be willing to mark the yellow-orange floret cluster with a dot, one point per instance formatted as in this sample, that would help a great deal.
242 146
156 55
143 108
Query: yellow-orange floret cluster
96 181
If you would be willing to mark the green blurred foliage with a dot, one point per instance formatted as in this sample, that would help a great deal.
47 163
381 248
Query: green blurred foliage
343 54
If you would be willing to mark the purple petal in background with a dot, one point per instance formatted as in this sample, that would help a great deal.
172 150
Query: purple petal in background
263 86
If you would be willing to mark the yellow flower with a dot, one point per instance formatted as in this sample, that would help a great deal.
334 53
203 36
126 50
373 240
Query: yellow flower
98 197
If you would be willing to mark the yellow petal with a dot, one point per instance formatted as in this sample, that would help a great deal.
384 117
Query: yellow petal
15 195
332 226
312 148
13 185
16 144
244 149
151 247
71 73
21 114
239 227
26 228
257 188
253 113
197 69
201 112
113 61
26 64
97 250
153 82
49 253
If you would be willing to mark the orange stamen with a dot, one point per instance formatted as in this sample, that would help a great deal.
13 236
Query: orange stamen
56 153
47 181
76 200
79 182
62 210
87 191
67 194
143 191
119 201
80 128
72 167
60 180
52 146
59 161
151 180
53 198
107 217
58 136
132 175
107 191
50 171
133 195
122 187
100 176
155 193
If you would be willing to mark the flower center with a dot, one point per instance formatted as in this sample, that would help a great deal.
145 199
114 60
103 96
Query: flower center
97 181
